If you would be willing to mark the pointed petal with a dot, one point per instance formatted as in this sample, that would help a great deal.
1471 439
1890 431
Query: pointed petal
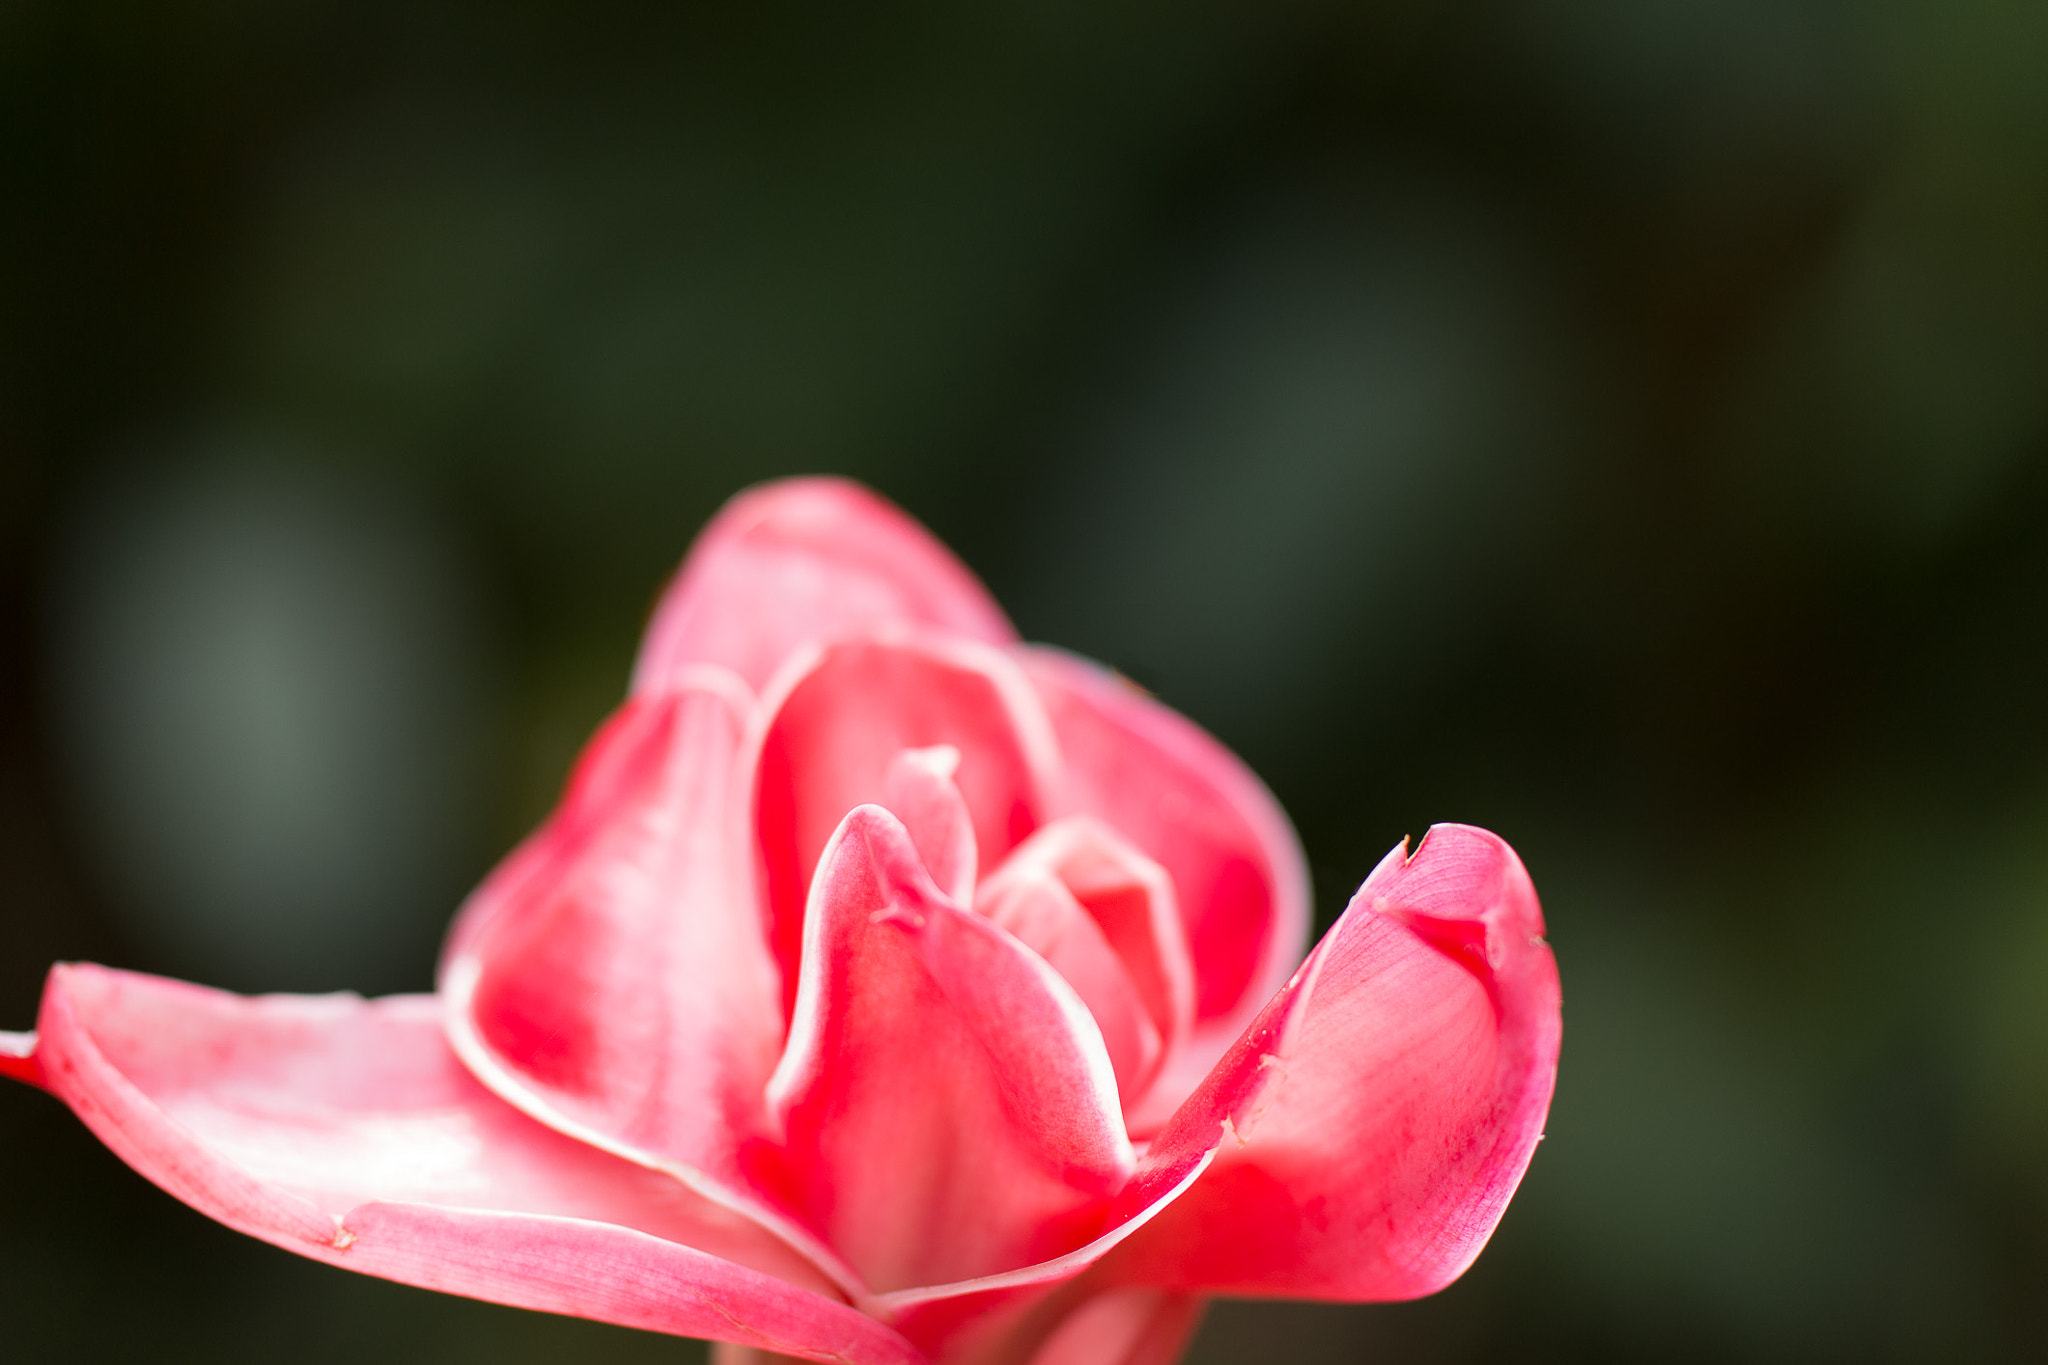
1188 803
1130 898
1124 1327
1378 1115
1036 909
948 1105
919 791
346 1130
802 560
614 981
833 726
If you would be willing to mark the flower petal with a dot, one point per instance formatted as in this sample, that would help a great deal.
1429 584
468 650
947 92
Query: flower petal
919 791
1187 802
963 1317
1381 1110
614 981
347 1131
18 1058
1124 1327
802 560
948 1106
835 722
1130 899
1036 908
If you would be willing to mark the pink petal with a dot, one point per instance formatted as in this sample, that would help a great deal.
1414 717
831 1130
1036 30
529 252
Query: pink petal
919 791
614 981
1129 899
1188 803
948 1106
1036 909
1380 1112
1124 1327
962 1319
18 1058
835 723
346 1130
803 560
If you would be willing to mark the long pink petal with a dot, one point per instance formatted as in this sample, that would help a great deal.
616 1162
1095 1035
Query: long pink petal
614 982
948 1106
1188 803
347 1131
803 560
833 726
1377 1116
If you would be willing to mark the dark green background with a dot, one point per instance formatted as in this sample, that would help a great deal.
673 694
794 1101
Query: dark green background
1621 423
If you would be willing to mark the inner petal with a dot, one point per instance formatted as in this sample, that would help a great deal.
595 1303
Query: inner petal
1039 910
947 1110
836 724
919 791
1078 882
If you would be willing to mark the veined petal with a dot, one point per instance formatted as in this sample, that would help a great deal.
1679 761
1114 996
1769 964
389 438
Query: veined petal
948 1107
803 560
1188 803
1377 1116
613 981
347 1131
834 724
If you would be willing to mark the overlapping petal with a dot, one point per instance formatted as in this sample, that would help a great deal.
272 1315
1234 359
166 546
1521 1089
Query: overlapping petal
1192 806
1105 916
804 560
947 1107
833 726
610 982
1372 1124
919 790
347 1131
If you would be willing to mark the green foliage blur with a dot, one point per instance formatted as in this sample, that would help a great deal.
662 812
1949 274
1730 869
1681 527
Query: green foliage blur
1620 423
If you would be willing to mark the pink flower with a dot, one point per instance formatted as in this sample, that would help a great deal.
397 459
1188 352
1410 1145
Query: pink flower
884 990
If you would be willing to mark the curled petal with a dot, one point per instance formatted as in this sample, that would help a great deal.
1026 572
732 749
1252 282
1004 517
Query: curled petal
836 722
1190 805
614 982
1375 1119
345 1130
1129 900
1036 909
948 1107
803 560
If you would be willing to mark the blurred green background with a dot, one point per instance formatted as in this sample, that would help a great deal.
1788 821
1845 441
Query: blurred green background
1621 423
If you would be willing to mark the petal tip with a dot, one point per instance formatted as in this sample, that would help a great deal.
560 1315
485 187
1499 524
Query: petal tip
18 1058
